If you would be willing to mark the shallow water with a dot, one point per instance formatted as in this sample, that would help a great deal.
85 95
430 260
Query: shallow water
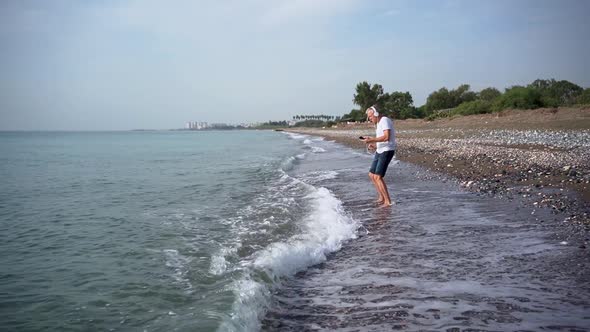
440 259
157 231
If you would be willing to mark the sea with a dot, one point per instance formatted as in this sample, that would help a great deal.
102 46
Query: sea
163 230
248 230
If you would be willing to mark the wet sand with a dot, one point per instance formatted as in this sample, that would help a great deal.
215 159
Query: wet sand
442 259
489 233
542 156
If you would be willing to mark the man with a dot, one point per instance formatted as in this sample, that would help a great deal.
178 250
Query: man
384 142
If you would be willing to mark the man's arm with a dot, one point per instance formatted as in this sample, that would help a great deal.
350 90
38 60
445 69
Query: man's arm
383 138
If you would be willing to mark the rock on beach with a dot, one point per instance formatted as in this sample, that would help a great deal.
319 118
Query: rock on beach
545 161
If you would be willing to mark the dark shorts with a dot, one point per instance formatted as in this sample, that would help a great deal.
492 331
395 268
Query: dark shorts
381 161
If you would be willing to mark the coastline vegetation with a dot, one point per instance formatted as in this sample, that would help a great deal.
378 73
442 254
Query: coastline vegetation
444 103
272 125
462 101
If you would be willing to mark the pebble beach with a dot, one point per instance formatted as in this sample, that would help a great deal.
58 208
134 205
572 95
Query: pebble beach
540 156
489 230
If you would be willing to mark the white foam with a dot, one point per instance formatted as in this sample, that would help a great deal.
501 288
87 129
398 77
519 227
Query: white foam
219 263
307 141
179 264
317 149
225 259
247 306
325 229
295 136
288 163
321 175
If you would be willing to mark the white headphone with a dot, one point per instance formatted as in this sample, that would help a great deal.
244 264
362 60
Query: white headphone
375 113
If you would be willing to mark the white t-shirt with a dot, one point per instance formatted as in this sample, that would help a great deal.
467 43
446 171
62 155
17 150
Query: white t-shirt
384 124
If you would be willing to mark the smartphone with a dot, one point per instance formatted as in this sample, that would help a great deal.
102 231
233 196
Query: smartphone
361 137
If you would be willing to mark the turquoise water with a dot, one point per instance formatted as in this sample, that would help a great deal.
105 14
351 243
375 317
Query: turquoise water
157 231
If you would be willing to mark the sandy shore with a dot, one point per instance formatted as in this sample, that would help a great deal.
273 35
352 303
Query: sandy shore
540 156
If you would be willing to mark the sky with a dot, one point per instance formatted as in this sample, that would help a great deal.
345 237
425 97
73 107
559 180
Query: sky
147 64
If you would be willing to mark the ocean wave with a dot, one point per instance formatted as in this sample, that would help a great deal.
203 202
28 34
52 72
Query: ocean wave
257 218
324 230
295 136
219 263
318 176
178 263
288 163
317 149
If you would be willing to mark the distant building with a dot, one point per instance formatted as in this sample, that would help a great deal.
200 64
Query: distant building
194 125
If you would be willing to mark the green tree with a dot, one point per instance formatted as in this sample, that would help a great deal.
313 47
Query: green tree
557 93
439 100
462 94
444 99
398 103
367 95
473 107
310 123
412 113
584 97
488 94
354 115
421 112
518 97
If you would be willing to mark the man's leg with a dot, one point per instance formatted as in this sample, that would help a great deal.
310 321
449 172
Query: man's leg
373 178
380 197
381 168
382 187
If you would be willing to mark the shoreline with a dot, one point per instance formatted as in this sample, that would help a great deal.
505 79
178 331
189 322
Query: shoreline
548 167
442 258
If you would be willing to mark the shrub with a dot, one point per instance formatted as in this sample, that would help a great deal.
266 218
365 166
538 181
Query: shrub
489 94
407 113
518 98
584 97
310 123
473 107
557 93
548 101
431 117
444 99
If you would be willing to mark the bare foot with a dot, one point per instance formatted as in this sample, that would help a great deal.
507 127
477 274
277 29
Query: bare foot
386 204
